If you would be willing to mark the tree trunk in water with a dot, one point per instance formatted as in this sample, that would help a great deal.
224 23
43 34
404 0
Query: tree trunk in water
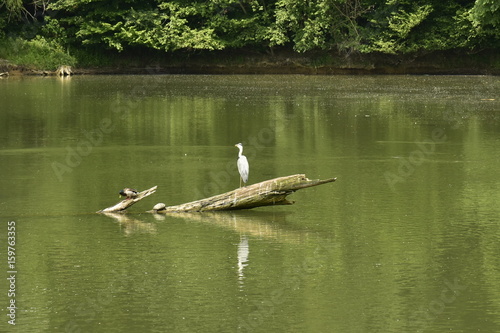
267 193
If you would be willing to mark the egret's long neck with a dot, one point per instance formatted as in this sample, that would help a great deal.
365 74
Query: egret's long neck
241 151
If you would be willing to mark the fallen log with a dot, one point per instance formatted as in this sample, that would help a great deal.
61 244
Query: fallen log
126 203
266 193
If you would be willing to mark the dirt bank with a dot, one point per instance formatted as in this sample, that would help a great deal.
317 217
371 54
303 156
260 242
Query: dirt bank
241 62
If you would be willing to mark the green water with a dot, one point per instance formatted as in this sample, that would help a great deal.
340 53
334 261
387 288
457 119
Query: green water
406 240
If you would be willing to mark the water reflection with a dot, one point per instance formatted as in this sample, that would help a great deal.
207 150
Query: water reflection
243 252
259 224
131 225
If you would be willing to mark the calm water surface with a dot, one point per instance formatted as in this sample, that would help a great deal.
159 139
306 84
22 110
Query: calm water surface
406 240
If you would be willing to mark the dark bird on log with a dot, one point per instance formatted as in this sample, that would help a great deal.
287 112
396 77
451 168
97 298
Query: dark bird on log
128 193
243 167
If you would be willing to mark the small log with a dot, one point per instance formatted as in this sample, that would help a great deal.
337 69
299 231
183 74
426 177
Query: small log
126 203
267 193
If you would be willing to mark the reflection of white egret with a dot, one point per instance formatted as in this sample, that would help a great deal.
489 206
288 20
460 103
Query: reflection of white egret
243 252
243 167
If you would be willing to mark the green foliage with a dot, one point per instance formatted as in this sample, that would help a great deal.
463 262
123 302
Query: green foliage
237 24
321 24
37 53
168 25
486 13
12 12
213 25
396 29
167 28
419 26
403 22
485 16
386 26
14 7
53 31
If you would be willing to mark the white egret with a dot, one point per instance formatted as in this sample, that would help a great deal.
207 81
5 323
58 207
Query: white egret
243 167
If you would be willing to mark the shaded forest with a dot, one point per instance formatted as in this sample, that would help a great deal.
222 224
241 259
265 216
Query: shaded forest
82 31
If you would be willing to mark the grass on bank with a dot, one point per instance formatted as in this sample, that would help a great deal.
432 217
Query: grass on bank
35 54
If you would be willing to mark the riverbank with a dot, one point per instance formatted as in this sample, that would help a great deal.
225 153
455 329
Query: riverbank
319 63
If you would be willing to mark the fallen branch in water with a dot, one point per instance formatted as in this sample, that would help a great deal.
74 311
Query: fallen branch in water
126 203
266 193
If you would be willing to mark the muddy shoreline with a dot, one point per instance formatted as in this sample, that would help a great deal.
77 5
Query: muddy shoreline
437 63
253 70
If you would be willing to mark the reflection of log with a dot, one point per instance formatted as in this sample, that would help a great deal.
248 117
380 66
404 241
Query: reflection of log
260 224
266 193
124 204
132 225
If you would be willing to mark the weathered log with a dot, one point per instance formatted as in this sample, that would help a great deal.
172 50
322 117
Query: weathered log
64 71
267 193
126 203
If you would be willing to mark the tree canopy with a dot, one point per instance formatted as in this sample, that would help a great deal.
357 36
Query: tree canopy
366 26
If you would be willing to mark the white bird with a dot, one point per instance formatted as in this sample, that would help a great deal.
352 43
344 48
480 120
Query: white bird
243 167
